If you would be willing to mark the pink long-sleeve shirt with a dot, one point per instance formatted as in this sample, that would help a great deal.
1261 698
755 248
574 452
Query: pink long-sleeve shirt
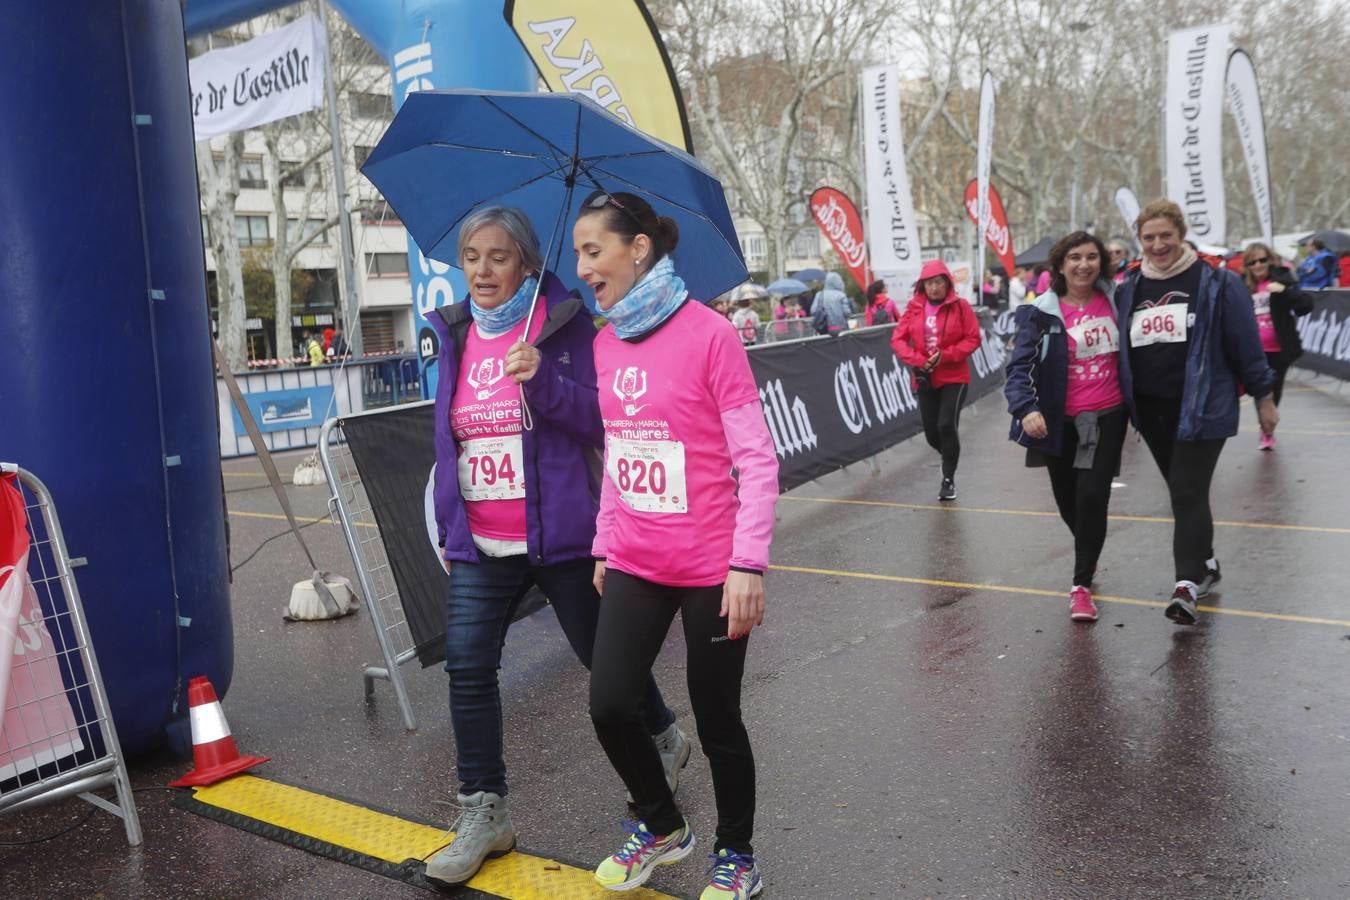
681 411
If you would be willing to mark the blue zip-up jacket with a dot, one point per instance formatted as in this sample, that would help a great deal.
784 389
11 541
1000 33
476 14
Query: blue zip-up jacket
1224 350
1038 369
562 460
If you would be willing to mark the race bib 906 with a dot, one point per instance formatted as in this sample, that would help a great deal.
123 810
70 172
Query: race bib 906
492 468
648 474
1158 325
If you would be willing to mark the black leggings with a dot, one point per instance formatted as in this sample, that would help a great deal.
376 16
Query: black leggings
1188 468
635 616
1276 362
940 409
1083 495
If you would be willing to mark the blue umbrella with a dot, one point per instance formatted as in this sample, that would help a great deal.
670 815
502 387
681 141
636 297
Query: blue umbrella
788 286
809 275
450 152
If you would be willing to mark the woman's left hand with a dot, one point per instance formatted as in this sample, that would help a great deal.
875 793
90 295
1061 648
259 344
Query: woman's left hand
1276 287
1267 413
743 602
522 361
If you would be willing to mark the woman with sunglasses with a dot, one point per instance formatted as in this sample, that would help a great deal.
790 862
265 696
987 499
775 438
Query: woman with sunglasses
1277 300
676 533
514 507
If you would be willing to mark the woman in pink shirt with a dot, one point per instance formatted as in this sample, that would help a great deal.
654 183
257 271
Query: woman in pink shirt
1277 301
676 532
1063 390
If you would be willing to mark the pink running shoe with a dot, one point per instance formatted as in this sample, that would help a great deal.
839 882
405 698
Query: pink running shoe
1081 607
1267 442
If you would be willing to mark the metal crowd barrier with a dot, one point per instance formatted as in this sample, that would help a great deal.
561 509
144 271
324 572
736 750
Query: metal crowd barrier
350 505
80 755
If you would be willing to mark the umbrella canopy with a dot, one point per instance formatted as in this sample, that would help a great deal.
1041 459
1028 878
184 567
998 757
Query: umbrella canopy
1037 255
809 275
788 286
1337 242
450 152
749 291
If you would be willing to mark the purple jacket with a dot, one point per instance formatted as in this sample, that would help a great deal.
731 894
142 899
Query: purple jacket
562 451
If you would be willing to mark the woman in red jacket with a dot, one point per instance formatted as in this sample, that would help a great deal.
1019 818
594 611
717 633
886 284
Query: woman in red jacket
937 333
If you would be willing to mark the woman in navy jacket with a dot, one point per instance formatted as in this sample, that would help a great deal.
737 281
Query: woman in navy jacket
1188 338
1063 391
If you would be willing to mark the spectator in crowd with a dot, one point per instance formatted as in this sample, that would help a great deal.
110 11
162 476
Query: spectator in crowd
1120 252
831 308
1277 301
327 339
1042 279
746 321
1345 271
1017 288
880 307
313 350
1320 269
338 349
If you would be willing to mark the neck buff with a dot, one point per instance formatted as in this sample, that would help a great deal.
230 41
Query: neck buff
1186 260
648 303
500 319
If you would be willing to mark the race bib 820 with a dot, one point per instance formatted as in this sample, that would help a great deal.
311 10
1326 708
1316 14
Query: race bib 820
648 474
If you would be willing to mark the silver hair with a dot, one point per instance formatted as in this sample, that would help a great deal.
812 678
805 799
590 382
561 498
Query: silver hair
1121 243
516 226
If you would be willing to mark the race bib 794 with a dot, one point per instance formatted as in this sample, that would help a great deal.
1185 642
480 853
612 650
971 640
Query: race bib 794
492 468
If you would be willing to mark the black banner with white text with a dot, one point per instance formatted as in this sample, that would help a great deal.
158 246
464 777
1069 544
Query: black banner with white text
833 401
1326 335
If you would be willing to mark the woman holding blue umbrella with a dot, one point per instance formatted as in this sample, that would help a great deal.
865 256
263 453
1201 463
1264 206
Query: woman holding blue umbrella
676 533
514 507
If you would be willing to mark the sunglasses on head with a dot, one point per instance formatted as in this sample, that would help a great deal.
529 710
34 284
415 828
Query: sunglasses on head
602 199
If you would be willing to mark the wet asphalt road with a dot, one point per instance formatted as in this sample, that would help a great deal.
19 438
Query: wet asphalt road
927 720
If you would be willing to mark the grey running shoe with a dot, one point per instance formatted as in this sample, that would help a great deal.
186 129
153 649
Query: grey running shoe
948 489
483 832
1182 608
674 748
1212 577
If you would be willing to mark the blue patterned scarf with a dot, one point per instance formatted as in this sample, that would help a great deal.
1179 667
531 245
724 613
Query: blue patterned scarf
649 302
500 319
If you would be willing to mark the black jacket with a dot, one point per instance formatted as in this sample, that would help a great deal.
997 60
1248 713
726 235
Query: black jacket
1285 307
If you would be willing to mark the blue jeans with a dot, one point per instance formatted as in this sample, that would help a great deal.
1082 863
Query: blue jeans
480 607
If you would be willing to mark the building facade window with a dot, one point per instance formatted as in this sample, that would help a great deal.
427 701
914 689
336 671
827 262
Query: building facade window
387 265
379 212
361 153
252 231
372 106
309 175
295 234
251 172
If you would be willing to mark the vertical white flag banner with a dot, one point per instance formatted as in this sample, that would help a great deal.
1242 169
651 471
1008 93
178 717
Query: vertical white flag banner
1193 118
271 77
1128 204
984 149
892 230
1245 101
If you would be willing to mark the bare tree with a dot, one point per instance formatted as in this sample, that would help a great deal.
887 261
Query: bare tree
761 119
219 180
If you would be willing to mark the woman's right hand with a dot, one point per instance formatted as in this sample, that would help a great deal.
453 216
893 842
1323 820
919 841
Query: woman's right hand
1033 423
599 578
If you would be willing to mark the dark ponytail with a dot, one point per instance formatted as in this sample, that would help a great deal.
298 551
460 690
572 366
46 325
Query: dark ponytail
628 215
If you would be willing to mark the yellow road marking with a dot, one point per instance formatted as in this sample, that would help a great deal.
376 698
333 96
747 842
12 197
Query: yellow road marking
298 519
350 826
1039 592
1053 515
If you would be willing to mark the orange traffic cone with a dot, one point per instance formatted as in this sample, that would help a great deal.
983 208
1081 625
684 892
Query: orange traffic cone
214 755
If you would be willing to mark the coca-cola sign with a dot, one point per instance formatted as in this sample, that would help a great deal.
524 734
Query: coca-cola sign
997 235
836 215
